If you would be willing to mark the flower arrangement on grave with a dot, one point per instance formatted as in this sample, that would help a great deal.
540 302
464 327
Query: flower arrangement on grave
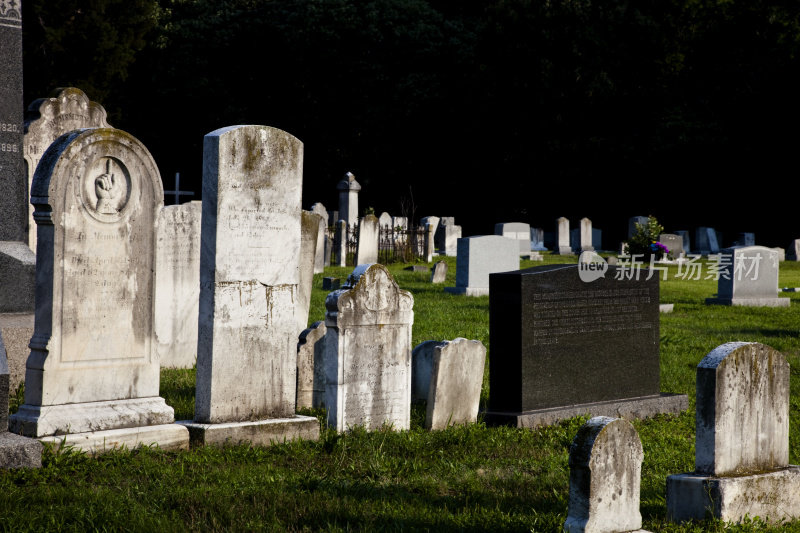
645 242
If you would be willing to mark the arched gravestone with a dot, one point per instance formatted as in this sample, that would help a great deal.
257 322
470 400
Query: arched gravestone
368 351
93 366
46 119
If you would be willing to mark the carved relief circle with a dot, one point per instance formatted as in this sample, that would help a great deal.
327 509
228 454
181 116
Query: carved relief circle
105 189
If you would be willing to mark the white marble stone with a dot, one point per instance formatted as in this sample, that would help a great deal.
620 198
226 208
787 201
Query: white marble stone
519 231
367 248
446 239
439 272
341 243
749 277
93 363
310 366
348 189
563 246
385 220
165 437
433 221
585 242
310 224
177 284
605 469
480 256
368 351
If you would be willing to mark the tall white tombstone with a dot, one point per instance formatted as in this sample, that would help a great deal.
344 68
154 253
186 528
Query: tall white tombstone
433 221
177 294
368 234
249 278
341 243
309 231
348 189
92 378
368 351
748 277
562 237
324 244
480 256
47 119
605 471
586 236
742 440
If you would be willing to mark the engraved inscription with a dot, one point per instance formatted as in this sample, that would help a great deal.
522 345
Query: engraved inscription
558 315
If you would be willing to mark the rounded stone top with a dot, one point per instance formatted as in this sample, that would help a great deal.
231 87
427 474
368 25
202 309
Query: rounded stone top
348 183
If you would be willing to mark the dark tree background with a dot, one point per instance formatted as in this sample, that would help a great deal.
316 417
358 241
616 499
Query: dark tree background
489 111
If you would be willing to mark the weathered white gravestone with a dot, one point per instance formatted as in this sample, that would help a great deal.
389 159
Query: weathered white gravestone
367 248
480 256
348 189
177 284
446 238
562 237
368 351
309 226
310 366
249 277
47 119
385 220
322 257
92 378
742 440
748 277
605 470
794 250
448 375
519 231
439 272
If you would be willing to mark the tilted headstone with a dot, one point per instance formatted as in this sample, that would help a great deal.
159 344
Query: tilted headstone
447 221
706 241
632 224
310 366
605 472
449 375
439 272
348 189
368 351
249 289
177 294
92 378
480 256
748 276
16 451
368 235
47 119
17 261
519 231
742 440
563 246
569 340
309 226
674 244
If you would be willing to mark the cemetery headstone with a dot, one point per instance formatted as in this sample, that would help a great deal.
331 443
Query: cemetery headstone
585 242
348 189
368 235
748 277
632 224
92 378
597 238
249 288
563 346
177 293
368 351
17 261
16 451
563 237
433 221
674 244
309 226
341 243
745 239
399 229
480 256
794 250
324 244
447 221
605 471
46 120
449 375
385 220
310 366
330 284
781 253
742 440
429 242
519 231
439 272
537 240
446 239
706 241
687 241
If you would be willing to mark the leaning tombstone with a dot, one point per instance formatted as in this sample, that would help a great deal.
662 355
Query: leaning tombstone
16 451
563 237
748 276
47 119
249 288
449 375
92 378
480 256
309 226
368 352
177 293
742 440
433 221
368 235
310 366
605 472
571 340
439 272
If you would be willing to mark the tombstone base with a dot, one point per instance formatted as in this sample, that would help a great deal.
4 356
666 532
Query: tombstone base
258 433
565 250
164 436
469 291
59 420
773 496
641 407
17 277
750 302
19 452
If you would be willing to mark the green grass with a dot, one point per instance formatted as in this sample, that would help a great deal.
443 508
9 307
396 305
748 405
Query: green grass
463 479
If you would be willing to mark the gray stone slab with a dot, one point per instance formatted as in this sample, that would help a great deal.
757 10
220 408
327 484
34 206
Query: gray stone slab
673 242
439 272
480 256
666 308
421 370
16 330
17 451
537 240
311 367
519 231
258 433
367 249
446 239
748 277
687 241
309 232
454 389
706 241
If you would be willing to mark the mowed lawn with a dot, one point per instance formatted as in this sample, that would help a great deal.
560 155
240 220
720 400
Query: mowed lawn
470 478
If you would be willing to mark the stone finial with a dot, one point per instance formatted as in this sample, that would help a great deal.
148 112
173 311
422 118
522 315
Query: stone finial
348 183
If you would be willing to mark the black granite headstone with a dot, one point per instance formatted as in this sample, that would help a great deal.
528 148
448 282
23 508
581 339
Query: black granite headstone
562 347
